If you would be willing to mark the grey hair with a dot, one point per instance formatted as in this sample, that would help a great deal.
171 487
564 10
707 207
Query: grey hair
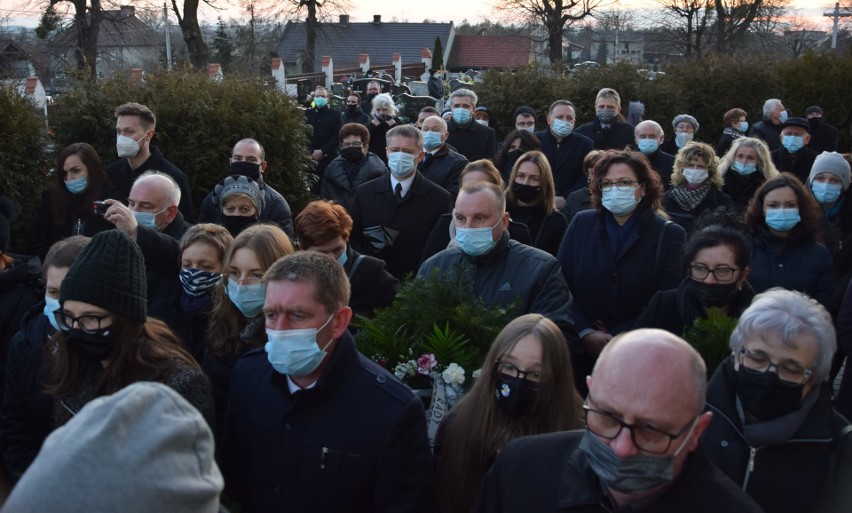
651 122
494 190
607 92
793 317
384 101
441 122
769 105
408 131
464 92
173 192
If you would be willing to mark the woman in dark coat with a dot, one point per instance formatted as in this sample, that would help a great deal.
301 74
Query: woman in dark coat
383 118
354 166
514 145
745 167
696 185
531 200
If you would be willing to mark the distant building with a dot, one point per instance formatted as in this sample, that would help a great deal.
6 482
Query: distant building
610 47
14 61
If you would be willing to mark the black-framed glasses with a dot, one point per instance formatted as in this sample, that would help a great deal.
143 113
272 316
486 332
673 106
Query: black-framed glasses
789 372
508 373
647 438
88 323
699 272
621 185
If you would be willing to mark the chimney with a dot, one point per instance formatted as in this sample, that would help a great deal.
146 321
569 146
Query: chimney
344 19
481 32
377 18
128 11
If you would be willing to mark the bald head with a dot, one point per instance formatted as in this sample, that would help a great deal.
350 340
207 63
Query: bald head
158 187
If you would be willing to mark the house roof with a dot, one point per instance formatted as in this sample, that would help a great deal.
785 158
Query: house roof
118 28
491 52
345 42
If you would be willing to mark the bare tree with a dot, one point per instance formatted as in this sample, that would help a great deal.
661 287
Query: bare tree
734 18
689 22
87 21
199 53
800 34
554 15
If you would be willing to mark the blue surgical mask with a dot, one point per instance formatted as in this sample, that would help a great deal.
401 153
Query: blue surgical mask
783 116
401 164
530 129
742 168
681 138
648 146
606 116
562 128
50 306
826 193
694 175
793 143
743 126
618 202
432 140
247 298
77 185
476 241
197 282
343 257
148 219
320 102
782 219
295 352
461 116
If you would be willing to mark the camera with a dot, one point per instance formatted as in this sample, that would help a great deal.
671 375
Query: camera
99 208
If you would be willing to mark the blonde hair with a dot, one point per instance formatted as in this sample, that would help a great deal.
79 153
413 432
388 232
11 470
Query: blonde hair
692 150
764 159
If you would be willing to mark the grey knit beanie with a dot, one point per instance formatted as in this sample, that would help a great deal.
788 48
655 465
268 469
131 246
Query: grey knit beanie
685 117
831 162
237 184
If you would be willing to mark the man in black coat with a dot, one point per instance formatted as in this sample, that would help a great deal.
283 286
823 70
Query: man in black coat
473 140
325 122
393 215
353 112
640 449
649 136
565 150
794 155
134 126
606 131
373 89
769 127
440 164
824 137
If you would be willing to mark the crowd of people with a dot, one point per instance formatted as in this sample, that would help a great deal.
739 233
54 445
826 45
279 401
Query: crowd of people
212 357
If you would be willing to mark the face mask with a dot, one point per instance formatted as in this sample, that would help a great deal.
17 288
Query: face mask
619 202
513 155
648 146
743 169
320 102
562 128
148 219
694 175
432 140
352 155
236 224
482 122
401 164
461 116
197 282
476 241
681 138
783 116
712 295
343 258
383 117
247 298
250 170
633 475
765 396
127 147
51 305
814 123
525 193
370 97
351 109
826 193
90 346
782 219
295 352
530 129
743 126
606 116
77 185
793 143
516 397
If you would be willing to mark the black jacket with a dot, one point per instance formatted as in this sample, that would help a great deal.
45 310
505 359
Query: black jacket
741 188
663 164
359 116
20 289
785 478
619 135
443 167
413 219
371 285
566 160
798 163
837 234
844 341
355 442
685 218
824 138
729 135
378 137
546 229
435 88
545 473
122 177
275 209
576 202
326 130
769 132
475 141
342 179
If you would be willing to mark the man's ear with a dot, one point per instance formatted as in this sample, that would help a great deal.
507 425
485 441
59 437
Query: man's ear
702 423
341 321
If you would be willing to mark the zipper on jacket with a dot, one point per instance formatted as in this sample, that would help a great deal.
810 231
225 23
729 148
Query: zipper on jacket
749 467
326 451
78 227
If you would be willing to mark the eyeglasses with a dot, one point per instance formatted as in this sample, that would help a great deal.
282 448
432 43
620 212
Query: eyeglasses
646 438
722 274
621 185
508 373
352 144
88 323
249 280
758 362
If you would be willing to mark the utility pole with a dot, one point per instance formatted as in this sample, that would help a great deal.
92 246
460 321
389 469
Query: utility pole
168 38
836 14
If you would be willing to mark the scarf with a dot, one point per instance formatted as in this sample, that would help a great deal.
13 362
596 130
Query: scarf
689 199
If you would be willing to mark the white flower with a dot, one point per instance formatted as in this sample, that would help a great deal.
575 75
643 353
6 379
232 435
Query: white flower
476 373
405 369
453 374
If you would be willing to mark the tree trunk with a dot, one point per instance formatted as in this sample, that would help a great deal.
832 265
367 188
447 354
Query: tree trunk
88 25
310 37
199 53
554 42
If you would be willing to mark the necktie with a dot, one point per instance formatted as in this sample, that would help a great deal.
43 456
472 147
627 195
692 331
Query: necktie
397 191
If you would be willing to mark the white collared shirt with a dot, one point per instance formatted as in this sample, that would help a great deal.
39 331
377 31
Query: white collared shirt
295 388
406 183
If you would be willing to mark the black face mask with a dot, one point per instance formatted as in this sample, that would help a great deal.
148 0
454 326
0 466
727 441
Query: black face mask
813 123
236 224
525 193
371 96
513 155
515 396
90 346
352 155
351 109
712 295
764 395
250 170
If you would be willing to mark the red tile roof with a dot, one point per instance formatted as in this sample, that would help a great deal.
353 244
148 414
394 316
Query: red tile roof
491 52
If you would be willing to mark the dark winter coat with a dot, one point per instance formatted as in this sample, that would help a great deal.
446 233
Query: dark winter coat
342 179
798 163
824 138
435 87
324 137
355 442
190 327
546 229
837 234
769 132
122 177
359 116
20 289
729 135
663 164
370 284
576 202
474 140
741 188
443 167
566 160
619 135
545 473
714 199
439 237
378 137
275 209
844 342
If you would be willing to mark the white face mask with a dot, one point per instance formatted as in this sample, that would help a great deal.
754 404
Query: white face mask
694 175
127 147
